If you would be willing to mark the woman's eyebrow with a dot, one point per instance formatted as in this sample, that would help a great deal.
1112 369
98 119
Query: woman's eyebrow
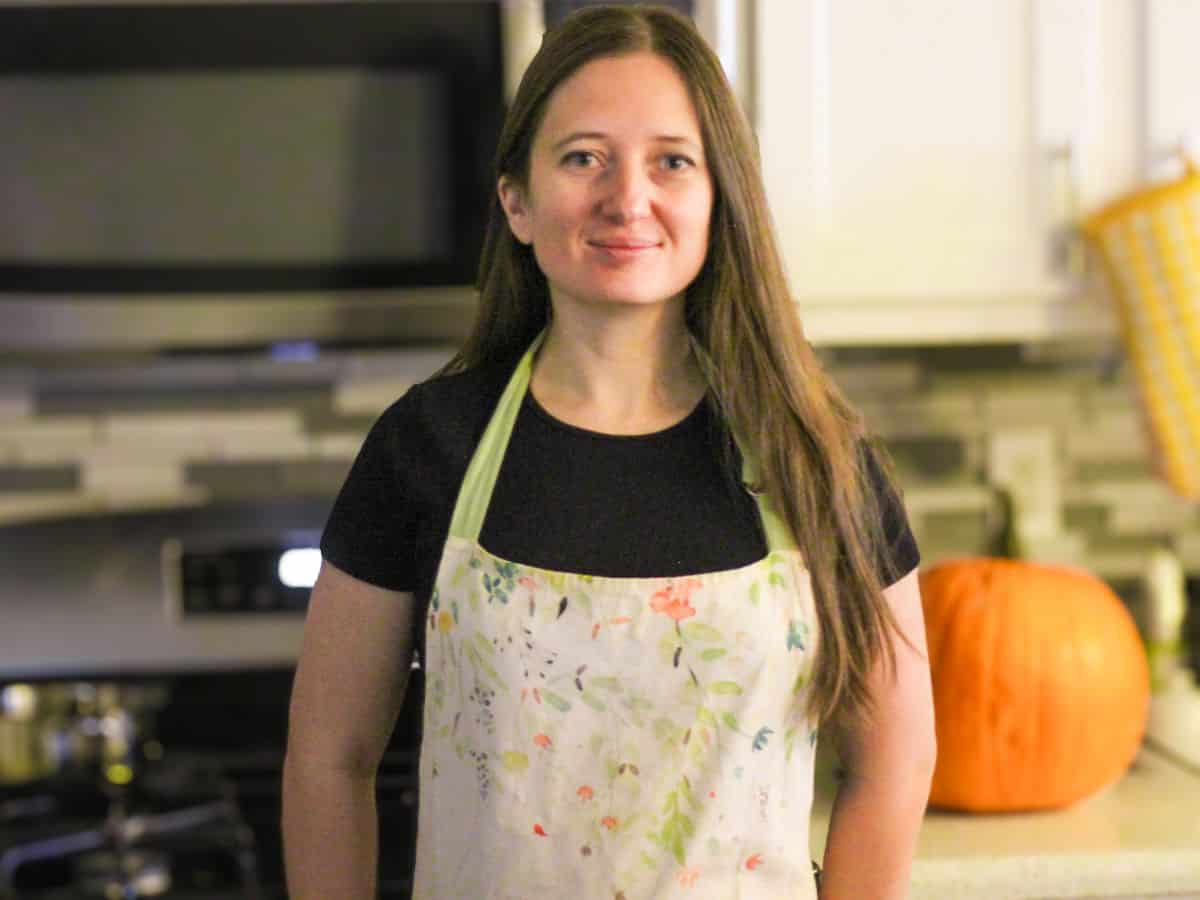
578 136
677 139
600 135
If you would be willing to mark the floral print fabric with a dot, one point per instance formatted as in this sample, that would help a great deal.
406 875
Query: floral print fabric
616 738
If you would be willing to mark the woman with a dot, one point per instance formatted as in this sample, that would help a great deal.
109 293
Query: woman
639 538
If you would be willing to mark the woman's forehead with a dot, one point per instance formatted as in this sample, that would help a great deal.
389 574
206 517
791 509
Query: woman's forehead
638 95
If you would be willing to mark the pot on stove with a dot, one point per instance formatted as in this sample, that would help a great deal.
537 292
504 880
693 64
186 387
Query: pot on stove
60 727
136 873
35 735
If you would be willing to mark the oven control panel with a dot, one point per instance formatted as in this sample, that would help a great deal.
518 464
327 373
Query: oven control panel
257 576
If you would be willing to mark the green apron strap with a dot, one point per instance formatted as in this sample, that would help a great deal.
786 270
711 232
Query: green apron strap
778 535
476 491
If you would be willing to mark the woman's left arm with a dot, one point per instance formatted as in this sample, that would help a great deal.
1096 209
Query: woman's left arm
888 765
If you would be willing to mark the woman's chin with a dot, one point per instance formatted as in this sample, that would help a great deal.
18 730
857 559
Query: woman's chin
622 300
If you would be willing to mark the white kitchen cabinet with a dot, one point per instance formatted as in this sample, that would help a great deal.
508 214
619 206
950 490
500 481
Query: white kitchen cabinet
922 156
1170 74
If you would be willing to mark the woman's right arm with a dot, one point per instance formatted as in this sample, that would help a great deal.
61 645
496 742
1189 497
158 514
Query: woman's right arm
348 690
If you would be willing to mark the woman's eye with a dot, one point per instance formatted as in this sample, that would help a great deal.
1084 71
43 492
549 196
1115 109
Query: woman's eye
676 162
580 158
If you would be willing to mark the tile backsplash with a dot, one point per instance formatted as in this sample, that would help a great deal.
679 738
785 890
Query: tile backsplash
92 439
1056 426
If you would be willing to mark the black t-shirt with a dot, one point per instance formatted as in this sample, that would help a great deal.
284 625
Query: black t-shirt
565 499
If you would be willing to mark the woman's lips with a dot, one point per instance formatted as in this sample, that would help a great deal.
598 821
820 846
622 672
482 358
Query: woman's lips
624 249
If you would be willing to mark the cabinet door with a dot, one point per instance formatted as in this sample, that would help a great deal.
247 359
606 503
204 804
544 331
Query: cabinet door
1171 78
923 149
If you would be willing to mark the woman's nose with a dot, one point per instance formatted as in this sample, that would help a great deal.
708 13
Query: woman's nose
627 192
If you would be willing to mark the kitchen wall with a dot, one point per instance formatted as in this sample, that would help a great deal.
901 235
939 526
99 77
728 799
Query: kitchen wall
1058 423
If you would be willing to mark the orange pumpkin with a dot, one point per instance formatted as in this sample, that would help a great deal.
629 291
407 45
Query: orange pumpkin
1040 681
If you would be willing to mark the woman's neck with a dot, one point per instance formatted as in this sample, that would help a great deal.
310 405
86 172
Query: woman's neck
632 373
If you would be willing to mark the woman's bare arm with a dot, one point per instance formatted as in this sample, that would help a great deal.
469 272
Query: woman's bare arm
888 766
348 690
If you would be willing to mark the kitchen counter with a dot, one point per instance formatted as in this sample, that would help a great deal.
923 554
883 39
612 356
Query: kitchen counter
1139 837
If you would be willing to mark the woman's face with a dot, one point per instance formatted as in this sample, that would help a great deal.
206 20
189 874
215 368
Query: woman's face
619 195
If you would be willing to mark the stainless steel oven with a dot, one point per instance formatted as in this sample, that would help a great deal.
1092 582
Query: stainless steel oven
145 675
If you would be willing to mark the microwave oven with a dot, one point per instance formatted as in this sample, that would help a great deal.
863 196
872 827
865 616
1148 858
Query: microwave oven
182 176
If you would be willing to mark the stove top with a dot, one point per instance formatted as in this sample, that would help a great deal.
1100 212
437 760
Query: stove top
173 832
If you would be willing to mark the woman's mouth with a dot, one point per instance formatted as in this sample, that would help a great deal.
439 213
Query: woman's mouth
624 249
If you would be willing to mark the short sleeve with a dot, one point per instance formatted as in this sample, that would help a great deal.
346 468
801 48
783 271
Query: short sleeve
372 529
901 554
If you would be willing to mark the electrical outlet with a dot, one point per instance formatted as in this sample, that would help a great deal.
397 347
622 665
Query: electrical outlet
1024 462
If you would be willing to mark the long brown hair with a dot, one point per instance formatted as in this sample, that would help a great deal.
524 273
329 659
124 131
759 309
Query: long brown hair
809 443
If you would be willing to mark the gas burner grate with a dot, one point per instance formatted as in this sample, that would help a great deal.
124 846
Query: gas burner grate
171 834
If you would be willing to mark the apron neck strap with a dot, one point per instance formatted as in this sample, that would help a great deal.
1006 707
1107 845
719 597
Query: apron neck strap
476 491
776 531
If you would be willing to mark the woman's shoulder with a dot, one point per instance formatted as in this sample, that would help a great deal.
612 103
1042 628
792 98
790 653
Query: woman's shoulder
901 554
452 405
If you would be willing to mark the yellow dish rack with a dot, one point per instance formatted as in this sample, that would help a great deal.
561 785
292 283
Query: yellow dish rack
1150 244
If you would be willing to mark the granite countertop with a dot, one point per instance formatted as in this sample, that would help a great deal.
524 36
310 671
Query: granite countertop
1139 837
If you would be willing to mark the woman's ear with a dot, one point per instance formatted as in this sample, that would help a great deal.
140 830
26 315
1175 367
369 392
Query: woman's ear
512 199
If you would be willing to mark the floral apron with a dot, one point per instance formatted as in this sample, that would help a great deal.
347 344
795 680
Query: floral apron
612 738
